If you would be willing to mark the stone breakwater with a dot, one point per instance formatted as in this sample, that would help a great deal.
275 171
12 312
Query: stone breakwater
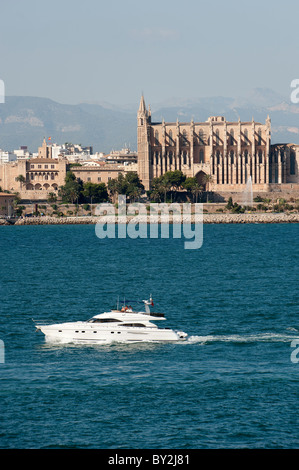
4 222
250 218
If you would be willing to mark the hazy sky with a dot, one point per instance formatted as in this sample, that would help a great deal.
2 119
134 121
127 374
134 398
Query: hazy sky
73 51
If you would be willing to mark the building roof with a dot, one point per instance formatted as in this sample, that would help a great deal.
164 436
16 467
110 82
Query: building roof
43 160
7 194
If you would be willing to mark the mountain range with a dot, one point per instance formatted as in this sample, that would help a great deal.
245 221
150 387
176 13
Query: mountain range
27 120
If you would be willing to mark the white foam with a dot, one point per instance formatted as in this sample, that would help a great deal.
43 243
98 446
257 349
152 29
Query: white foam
260 337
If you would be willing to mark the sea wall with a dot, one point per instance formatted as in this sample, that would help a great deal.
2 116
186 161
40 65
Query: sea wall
4 222
247 218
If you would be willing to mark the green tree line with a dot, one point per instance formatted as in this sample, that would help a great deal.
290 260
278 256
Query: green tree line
75 191
163 187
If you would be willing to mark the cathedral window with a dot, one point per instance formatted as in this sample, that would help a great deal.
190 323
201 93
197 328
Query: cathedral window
259 139
260 157
185 140
292 164
185 158
170 138
201 156
217 137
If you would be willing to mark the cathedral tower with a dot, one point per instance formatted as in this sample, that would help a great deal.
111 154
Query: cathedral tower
143 144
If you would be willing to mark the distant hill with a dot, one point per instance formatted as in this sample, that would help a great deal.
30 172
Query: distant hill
27 120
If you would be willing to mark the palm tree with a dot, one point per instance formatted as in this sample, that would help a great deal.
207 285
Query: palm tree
21 180
165 186
113 188
208 179
134 192
191 184
196 189
52 197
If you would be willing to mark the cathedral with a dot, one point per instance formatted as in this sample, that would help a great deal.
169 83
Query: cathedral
229 152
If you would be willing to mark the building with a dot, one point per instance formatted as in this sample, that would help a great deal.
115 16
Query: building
230 152
6 156
6 204
45 151
40 176
97 173
124 156
23 152
35 178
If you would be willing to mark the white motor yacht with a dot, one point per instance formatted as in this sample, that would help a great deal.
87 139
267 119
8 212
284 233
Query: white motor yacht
120 325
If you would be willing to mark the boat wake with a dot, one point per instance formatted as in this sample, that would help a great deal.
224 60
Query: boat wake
235 338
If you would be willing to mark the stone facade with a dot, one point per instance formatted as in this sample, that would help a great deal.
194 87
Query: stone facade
45 151
230 152
41 177
101 174
6 204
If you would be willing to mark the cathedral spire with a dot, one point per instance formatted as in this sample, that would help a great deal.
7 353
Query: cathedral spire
142 108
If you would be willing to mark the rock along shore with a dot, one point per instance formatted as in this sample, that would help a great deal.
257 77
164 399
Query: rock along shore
248 218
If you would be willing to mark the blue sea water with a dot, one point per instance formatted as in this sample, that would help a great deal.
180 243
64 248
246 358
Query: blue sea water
231 385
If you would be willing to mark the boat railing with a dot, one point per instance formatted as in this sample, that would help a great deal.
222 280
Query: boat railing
152 314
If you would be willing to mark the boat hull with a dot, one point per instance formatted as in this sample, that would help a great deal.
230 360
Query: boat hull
82 333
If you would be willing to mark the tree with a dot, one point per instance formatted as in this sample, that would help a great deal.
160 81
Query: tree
129 185
191 184
133 192
157 188
176 179
229 204
52 197
95 192
165 185
21 180
113 188
17 200
208 179
72 189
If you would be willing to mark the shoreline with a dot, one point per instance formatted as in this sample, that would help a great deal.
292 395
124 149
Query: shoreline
253 218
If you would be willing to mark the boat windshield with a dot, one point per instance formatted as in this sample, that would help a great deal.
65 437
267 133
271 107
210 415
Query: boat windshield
103 320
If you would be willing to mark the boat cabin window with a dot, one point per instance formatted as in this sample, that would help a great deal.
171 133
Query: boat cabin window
133 324
103 320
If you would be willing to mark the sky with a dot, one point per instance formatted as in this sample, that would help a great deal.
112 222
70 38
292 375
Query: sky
113 51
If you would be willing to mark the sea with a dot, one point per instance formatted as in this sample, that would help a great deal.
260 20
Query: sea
233 384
